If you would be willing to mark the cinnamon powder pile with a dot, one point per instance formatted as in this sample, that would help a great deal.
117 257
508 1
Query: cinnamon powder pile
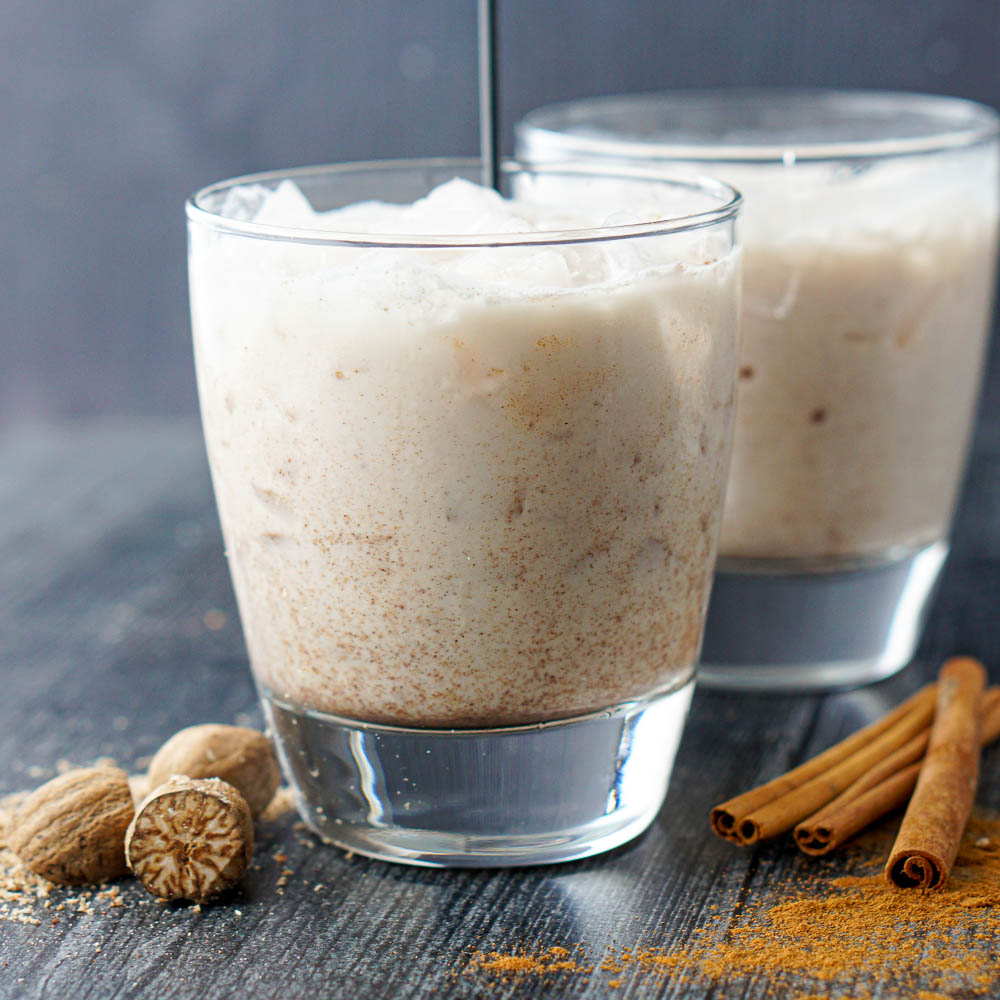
825 933
552 960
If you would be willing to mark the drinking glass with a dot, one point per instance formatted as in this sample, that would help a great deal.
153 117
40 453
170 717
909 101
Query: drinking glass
870 236
470 487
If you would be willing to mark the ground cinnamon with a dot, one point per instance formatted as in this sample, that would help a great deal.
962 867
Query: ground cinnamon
552 960
817 937
946 786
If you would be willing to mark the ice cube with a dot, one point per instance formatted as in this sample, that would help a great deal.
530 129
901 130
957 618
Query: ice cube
286 206
243 202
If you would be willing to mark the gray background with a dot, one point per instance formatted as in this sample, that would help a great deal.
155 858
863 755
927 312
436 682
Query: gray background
112 111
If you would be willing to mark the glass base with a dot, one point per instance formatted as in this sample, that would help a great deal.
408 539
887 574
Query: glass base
800 631
525 795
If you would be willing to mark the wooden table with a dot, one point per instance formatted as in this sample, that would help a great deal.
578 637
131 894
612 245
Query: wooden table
117 627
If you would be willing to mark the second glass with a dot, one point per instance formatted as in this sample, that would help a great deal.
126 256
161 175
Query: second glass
470 487
870 232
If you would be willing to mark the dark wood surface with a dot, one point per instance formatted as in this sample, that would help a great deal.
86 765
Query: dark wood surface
110 560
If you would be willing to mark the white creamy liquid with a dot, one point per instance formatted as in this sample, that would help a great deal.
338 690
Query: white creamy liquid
466 486
867 304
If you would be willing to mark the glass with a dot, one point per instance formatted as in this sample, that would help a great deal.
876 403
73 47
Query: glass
870 236
470 489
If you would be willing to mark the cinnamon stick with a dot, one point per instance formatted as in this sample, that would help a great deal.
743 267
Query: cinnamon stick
929 836
885 788
779 804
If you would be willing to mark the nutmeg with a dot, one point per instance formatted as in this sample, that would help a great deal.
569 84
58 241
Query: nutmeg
242 757
71 830
190 839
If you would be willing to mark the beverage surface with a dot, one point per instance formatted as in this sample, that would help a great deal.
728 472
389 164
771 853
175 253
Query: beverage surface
466 487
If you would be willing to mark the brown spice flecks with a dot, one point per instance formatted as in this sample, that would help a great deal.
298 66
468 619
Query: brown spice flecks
23 894
552 960
824 934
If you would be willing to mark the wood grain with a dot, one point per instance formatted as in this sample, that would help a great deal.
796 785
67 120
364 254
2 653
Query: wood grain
110 557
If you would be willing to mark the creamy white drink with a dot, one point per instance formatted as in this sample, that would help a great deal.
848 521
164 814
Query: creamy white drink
466 486
866 311
870 239
869 267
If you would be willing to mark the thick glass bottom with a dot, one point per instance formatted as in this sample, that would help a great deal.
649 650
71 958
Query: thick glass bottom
812 631
524 795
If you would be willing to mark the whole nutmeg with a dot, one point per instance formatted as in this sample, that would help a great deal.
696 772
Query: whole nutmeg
242 757
71 830
190 839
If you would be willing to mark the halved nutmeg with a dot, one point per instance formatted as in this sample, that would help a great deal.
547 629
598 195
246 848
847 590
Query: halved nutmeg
190 839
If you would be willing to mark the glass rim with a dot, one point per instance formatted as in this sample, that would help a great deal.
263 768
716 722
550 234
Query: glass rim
730 203
974 123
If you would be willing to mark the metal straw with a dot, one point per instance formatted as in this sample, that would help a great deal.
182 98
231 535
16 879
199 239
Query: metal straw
489 135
